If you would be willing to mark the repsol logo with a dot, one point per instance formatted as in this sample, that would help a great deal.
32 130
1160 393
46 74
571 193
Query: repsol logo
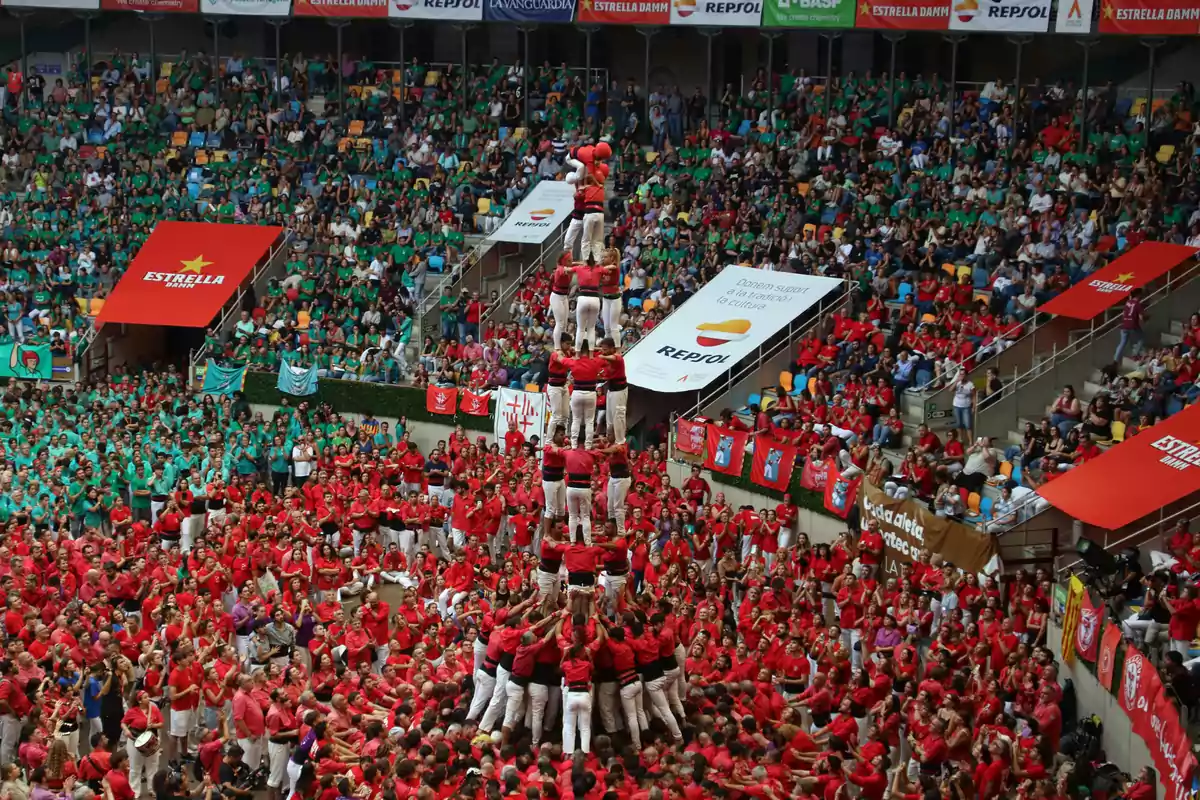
731 8
1018 12
691 356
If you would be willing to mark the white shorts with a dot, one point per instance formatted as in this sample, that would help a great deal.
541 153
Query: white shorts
182 721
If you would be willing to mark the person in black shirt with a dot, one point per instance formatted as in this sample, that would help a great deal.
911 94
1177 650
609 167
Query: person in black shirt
233 773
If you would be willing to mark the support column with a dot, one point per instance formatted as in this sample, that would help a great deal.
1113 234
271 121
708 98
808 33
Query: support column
648 33
21 17
1087 45
87 17
831 38
339 25
1020 42
771 36
894 38
709 34
151 20
1151 44
466 70
401 26
525 62
276 90
955 40
216 54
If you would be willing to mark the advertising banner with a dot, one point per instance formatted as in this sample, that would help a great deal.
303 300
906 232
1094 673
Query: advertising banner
1074 16
718 13
1135 478
185 272
1156 720
463 10
370 9
908 527
247 8
625 12
540 214
1150 17
31 362
528 11
906 15
156 6
81 5
1000 16
720 325
808 13
1111 284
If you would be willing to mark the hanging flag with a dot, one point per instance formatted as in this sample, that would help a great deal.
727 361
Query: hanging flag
814 474
772 463
223 380
1087 632
726 450
440 399
299 381
1071 615
690 436
1109 643
475 404
524 411
840 493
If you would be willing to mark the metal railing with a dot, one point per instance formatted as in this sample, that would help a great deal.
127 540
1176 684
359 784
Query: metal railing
1141 535
549 246
1108 323
824 309
234 304
452 275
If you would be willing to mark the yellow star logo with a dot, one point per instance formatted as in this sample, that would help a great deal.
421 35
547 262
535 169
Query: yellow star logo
1124 277
587 4
1109 11
196 265
864 9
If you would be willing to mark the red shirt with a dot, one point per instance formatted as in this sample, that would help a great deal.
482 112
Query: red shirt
581 558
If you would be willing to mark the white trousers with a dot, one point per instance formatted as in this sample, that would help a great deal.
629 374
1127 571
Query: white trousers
618 490
579 512
278 757
560 309
548 586
556 497
616 413
141 768
635 715
672 690
539 697
556 397
577 714
583 415
499 699
606 704
614 587
587 313
572 237
656 692
485 684
252 750
514 703
610 318
593 236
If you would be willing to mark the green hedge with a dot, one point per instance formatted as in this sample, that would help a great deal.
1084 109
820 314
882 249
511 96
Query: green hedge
803 498
380 399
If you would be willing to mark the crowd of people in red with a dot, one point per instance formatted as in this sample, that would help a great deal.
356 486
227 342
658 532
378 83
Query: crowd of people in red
397 624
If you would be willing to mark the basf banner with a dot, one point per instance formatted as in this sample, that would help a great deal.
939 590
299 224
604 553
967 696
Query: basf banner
1150 17
156 6
529 10
728 318
1074 16
905 15
625 12
462 10
373 9
247 8
808 13
1000 16
717 13
82 5
541 213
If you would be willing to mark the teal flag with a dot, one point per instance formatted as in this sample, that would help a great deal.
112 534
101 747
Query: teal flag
299 381
223 380
28 361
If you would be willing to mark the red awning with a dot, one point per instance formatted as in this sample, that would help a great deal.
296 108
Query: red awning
1135 478
1106 287
185 272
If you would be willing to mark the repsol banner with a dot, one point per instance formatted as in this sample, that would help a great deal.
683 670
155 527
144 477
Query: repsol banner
908 527
464 10
1000 16
720 325
745 14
